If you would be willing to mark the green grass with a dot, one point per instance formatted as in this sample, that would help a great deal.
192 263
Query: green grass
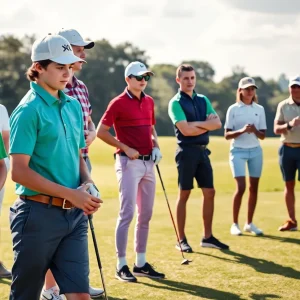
255 268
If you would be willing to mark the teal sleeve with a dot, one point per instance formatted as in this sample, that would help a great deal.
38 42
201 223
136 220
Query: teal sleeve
176 112
82 143
2 148
209 108
24 129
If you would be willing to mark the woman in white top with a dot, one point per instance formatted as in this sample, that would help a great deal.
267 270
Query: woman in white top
245 125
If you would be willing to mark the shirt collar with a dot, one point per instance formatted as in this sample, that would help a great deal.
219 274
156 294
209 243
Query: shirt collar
75 82
131 96
241 103
49 99
185 94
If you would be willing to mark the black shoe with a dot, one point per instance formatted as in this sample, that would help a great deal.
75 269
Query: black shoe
185 247
147 271
4 273
212 242
125 275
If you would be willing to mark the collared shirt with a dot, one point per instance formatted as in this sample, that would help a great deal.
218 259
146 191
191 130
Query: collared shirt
79 91
50 131
287 110
182 107
132 119
4 119
238 115
2 148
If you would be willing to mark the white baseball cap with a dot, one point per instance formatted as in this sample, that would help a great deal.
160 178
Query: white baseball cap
136 68
294 80
75 38
55 48
246 82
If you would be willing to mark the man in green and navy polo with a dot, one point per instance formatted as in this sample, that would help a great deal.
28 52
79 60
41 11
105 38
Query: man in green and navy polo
49 219
193 117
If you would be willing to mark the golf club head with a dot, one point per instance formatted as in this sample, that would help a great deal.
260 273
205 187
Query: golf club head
186 262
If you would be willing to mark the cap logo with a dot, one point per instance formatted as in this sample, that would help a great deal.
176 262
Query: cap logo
142 66
66 48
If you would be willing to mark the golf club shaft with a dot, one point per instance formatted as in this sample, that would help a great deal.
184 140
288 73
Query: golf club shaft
97 254
163 187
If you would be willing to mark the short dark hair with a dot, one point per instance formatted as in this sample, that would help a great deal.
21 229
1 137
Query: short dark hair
183 68
32 74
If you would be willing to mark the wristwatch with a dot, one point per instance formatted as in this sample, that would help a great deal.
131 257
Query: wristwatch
289 127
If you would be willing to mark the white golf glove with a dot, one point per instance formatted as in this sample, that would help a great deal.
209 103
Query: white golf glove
156 155
93 190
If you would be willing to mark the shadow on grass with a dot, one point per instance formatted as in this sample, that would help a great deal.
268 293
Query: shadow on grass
263 296
258 264
277 238
194 290
5 281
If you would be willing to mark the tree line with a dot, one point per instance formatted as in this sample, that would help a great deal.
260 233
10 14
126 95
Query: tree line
104 77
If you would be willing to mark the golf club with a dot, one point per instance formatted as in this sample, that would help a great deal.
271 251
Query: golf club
97 254
185 261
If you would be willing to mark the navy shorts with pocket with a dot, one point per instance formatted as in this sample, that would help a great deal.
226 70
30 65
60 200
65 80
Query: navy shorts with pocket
48 237
193 162
289 161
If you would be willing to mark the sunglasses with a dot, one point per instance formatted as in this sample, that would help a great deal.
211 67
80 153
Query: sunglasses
295 86
140 77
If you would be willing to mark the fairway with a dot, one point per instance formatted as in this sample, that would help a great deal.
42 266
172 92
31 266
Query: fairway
265 267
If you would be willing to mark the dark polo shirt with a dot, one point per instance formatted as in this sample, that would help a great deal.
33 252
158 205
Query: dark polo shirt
132 119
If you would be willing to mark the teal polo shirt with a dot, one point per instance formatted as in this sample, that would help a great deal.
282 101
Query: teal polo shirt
51 132
2 148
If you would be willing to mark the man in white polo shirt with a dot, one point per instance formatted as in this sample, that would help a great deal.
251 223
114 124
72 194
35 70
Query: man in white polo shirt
287 124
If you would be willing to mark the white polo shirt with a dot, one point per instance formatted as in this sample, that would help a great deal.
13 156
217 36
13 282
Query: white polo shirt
240 114
4 119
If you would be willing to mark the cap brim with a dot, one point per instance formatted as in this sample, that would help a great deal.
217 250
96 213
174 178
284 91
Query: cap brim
67 59
85 44
248 85
144 72
294 83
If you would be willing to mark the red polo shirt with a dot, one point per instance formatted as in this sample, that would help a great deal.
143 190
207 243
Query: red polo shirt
132 119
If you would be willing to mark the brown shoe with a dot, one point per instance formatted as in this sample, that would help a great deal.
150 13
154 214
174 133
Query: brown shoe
4 273
289 225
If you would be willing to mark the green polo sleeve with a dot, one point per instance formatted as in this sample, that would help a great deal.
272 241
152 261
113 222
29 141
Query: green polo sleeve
24 129
209 108
2 148
175 111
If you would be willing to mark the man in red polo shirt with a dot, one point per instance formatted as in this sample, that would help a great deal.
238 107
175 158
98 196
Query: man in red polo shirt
132 116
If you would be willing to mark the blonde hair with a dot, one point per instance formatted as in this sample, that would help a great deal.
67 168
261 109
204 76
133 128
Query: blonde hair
239 96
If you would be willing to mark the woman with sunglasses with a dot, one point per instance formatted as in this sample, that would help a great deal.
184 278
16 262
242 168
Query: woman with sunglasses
245 125
132 116
287 124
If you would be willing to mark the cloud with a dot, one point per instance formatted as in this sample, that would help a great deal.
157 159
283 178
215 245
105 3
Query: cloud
290 7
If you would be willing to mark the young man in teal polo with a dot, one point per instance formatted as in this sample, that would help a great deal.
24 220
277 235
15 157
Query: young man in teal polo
49 219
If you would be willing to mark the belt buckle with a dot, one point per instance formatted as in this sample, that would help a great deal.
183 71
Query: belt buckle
64 204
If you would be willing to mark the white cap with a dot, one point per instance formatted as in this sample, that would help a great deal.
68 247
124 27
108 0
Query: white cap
55 48
136 68
75 38
246 82
294 80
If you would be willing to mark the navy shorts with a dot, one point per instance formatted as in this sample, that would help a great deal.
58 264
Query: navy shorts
289 161
48 237
193 162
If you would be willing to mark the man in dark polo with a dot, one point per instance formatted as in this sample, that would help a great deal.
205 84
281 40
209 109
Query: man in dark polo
287 123
193 117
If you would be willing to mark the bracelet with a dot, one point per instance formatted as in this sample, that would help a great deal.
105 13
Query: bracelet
289 127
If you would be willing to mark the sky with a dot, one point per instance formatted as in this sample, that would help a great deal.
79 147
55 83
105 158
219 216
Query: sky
262 36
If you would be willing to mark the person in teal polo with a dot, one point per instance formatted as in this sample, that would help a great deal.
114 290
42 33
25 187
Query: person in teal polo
49 219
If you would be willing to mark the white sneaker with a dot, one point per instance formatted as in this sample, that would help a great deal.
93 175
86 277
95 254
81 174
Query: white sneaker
253 229
52 294
235 229
95 293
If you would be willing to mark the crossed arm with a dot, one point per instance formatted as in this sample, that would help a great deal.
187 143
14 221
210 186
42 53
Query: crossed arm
199 127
